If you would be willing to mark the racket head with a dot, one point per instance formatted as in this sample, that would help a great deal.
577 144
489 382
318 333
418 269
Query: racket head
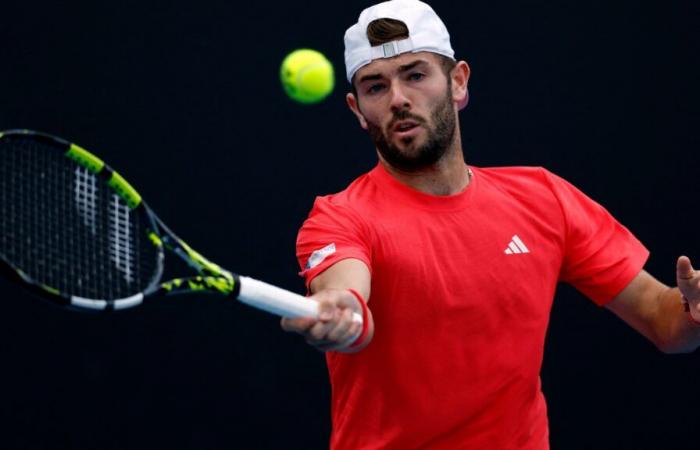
72 230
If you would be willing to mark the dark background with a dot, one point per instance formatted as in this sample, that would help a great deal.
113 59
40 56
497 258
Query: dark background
185 101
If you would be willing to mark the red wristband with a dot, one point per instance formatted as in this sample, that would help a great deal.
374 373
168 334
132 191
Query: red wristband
365 320
686 307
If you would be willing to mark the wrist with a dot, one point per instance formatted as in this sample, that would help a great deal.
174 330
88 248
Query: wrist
689 313
362 338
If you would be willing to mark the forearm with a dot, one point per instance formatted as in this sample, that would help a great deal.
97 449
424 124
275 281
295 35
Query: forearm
656 311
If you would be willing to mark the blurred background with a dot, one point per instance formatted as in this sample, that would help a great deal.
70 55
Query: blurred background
184 99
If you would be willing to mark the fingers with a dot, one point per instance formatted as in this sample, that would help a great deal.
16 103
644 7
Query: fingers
321 329
327 306
334 328
303 325
299 325
684 269
344 330
335 332
340 330
688 281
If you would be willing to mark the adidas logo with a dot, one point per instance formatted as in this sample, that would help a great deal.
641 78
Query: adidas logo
516 246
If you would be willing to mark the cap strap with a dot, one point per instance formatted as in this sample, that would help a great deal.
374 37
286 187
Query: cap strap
392 48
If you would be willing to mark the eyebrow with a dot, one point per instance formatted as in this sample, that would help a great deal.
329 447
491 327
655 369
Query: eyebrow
409 66
402 69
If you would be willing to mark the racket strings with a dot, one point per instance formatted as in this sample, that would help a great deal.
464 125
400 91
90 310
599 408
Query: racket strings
65 228
86 197
121 251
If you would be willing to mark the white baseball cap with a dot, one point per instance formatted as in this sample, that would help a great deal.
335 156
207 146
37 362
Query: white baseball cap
426 33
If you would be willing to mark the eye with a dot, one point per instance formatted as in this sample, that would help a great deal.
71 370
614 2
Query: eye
416 76
375 88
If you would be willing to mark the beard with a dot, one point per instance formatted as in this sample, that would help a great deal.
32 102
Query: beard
440 137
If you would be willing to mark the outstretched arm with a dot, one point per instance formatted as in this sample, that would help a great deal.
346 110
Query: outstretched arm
334 329
658 311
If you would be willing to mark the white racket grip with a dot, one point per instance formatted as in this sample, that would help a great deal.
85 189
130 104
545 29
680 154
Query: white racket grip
281 302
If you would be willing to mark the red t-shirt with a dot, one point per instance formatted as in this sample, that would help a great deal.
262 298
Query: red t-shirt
462 287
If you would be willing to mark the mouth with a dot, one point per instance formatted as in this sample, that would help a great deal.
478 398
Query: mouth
405 128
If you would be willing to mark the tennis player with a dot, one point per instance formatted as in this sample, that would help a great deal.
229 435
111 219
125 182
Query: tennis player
454 267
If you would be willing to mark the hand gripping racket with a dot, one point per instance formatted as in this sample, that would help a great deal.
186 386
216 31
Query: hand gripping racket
74 231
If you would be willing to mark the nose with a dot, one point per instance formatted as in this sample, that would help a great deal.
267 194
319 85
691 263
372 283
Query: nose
399 99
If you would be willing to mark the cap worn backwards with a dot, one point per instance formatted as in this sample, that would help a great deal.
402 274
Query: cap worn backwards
426 33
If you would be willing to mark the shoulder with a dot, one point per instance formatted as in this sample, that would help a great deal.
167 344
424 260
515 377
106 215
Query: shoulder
537 188
354 198
343 210
520 179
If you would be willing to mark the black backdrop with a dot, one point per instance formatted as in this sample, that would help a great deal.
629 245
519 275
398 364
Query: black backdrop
184 99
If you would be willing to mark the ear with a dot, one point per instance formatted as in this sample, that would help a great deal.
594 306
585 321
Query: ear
460 80
355 108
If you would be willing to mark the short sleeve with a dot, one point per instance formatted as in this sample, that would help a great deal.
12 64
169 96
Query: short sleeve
601 256
331 233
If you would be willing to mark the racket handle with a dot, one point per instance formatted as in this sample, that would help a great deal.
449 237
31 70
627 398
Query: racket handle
275 300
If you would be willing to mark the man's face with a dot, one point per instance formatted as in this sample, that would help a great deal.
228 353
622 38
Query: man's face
406 105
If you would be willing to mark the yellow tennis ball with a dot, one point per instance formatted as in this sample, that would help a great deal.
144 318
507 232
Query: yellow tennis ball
307 76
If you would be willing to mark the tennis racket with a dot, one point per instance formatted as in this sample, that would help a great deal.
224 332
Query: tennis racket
74 231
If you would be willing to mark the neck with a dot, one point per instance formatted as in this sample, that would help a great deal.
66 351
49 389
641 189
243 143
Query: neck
448 176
